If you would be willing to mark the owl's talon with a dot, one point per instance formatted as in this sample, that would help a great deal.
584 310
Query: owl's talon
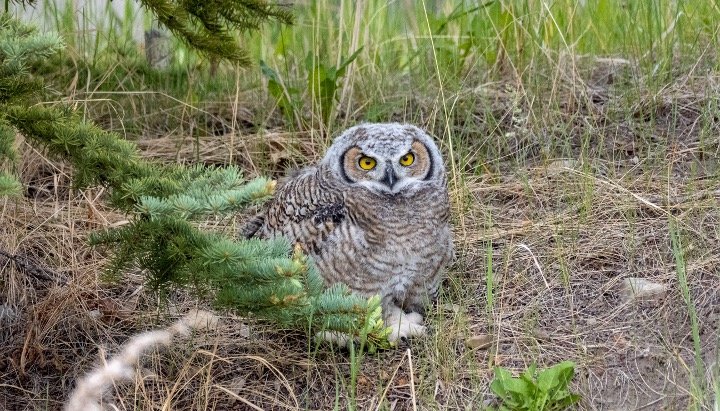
414 318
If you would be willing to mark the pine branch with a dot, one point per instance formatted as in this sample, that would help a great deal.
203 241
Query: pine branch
212 26
9 185
263 278
19 46
254 277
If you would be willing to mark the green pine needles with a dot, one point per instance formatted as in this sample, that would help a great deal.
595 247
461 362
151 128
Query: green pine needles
20 45
211 26
267 279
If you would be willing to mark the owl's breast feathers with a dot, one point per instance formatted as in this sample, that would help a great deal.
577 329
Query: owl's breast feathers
311 205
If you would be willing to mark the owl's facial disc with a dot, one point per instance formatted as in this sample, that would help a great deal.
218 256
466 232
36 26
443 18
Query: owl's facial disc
390 172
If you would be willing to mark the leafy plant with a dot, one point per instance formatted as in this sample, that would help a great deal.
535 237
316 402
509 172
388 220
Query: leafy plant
285 96
535 390
323 83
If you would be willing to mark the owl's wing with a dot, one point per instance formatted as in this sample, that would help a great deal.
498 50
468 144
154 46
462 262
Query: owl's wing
303 209
253 226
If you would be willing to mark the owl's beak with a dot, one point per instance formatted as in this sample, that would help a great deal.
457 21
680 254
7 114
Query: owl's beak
389 179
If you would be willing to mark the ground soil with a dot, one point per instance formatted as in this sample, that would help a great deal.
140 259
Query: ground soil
558 236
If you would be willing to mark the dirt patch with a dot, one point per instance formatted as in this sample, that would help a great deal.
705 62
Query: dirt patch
561 246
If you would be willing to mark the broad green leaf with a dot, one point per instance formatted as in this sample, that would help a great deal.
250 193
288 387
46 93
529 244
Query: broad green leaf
556 376
498 384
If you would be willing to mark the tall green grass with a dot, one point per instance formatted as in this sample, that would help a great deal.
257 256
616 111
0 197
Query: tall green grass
698 384
407 47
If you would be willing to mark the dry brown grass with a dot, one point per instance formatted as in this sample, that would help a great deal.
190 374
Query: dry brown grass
561 235
562 241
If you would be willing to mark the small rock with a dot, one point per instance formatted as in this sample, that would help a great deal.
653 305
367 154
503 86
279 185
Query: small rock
236 385
95 314
383 375
200 319
541 335
480 341
640 289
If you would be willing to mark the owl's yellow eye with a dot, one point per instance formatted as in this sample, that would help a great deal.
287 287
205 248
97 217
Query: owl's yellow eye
367 163
407 159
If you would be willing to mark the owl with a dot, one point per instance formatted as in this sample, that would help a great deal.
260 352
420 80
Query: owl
373 214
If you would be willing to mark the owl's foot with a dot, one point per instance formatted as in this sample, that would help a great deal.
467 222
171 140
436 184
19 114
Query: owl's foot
404 326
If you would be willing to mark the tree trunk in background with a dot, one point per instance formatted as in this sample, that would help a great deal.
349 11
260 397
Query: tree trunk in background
157 47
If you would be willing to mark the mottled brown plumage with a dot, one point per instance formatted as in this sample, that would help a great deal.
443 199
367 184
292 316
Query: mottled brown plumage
373 214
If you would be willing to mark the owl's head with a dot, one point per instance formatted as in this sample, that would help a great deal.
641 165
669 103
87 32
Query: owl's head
386 158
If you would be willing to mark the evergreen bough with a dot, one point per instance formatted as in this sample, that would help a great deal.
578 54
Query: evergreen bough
19 45
211 26
264 278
